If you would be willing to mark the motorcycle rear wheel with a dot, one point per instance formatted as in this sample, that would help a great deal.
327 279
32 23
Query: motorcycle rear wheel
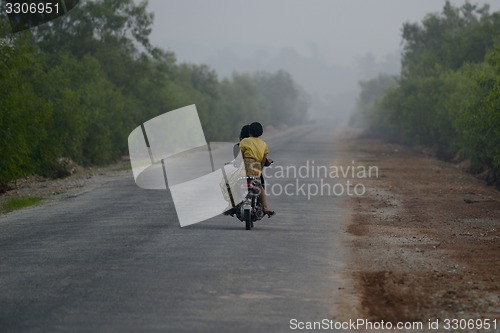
248 219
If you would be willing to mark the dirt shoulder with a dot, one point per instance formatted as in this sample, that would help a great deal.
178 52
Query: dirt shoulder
52 190
424 239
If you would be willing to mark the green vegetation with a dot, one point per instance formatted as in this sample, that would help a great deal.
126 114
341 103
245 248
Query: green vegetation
76 87
448 94
19 203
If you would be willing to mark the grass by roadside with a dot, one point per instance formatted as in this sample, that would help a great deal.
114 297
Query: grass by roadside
19 203
36 190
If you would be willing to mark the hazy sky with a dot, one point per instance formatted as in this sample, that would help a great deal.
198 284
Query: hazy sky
336 31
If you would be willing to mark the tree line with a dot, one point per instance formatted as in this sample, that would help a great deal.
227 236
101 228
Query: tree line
447 95
77 86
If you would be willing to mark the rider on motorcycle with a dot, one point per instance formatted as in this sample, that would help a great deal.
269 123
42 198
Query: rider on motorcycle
245 133
254 152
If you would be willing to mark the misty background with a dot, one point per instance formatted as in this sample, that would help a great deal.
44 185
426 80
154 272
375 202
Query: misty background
327 46
108 66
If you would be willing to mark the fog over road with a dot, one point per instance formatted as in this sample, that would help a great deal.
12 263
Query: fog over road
116 259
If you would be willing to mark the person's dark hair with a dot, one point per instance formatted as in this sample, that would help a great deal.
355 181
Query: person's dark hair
256 129
245 132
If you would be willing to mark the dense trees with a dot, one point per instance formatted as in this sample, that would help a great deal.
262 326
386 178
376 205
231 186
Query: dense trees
447 95
77 86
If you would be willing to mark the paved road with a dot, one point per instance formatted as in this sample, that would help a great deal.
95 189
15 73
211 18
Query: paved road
115 259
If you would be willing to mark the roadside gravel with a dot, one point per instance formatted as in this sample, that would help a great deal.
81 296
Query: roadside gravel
424 239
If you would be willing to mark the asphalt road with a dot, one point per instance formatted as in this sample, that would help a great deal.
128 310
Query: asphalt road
115 259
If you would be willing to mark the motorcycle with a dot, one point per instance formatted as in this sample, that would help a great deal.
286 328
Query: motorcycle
249 209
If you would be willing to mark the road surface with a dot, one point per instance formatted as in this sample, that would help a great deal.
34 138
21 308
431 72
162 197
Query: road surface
115 259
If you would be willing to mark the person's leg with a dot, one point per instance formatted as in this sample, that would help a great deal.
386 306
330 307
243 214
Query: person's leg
263 199
254 169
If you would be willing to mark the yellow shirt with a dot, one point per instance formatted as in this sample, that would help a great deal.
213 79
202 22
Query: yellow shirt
254 148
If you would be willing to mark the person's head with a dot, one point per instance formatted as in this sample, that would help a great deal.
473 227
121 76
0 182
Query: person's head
256 129
245 132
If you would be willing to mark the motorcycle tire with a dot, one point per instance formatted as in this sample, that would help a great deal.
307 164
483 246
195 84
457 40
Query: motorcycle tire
248 219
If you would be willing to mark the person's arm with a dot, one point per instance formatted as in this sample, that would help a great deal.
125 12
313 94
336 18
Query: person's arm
263 162
236 150
264 159
243 147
